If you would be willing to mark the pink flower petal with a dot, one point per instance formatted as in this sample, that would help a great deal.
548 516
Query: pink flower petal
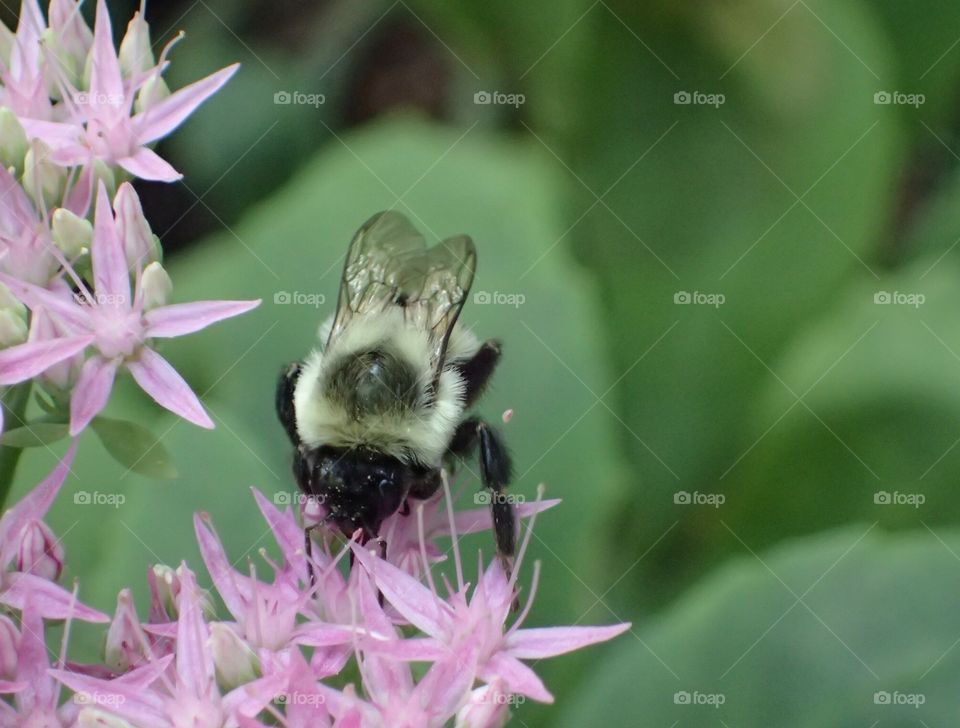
143 708
447 683
287 533
219 568
59 136
91 392
25 361
134 229
412 599
319 634
35 297
147 164
166 116
162 382
50 600
249 700
481 519
80 193
518 677
194 659
7 687
111 276
32 662
541 642
106 81
186 318
16 211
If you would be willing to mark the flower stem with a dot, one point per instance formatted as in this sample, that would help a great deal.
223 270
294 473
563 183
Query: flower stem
14 403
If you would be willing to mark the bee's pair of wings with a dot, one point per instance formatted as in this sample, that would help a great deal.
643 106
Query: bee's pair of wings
389 264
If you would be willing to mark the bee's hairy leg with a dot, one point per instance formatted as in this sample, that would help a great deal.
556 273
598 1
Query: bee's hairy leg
284 400
495 471
477 370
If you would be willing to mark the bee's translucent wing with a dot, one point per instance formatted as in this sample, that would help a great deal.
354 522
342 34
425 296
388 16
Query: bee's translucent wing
389 264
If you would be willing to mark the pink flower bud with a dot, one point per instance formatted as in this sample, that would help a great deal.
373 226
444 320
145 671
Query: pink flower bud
126 639
164 592
139 242
40 552
487 707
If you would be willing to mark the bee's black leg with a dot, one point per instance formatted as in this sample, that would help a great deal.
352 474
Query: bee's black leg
495 471
284 400
308 550
476 371
383 555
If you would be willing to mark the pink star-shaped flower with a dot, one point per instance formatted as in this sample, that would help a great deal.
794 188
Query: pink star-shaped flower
119 325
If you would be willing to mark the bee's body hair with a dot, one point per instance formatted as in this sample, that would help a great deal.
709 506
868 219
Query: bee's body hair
401 415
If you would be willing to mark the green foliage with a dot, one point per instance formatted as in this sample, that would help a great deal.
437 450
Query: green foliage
805 636
37 434
135 448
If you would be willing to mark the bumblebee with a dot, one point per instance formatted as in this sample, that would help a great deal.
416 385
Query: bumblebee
382 404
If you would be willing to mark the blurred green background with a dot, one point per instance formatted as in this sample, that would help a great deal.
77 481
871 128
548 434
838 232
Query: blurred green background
734 230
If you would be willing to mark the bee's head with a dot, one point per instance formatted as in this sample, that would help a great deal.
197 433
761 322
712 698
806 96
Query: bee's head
359 487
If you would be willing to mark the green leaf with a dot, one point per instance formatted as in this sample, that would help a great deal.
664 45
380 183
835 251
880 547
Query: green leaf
135 447
816 633
35 434
881 403
703 199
